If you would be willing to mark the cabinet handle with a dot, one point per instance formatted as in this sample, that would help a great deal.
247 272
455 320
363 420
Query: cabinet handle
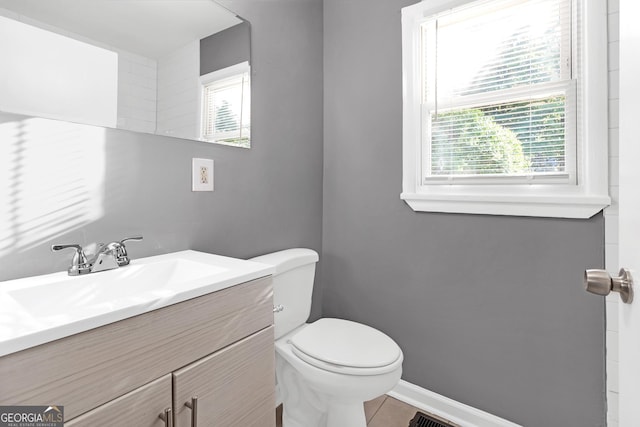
167 417
193 405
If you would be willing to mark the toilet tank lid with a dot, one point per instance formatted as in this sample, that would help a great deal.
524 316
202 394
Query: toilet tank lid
288 259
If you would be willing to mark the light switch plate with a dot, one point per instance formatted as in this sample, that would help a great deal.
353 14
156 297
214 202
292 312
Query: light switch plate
202 175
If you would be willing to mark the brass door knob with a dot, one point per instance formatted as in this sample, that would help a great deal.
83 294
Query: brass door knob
599 282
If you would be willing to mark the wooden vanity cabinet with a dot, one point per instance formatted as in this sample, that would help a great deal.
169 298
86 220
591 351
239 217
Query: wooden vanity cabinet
218 347
233 387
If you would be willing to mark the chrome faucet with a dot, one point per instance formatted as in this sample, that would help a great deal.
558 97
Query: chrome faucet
107 257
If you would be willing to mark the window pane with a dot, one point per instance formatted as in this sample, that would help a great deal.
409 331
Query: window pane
227 107
492 78
497 45
502 139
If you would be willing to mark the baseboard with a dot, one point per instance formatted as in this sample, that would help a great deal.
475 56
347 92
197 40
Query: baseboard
459 413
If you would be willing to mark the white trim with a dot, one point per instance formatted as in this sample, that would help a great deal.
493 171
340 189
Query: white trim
503 96
223 73
580 200
540 178
595 102
459 413
516 204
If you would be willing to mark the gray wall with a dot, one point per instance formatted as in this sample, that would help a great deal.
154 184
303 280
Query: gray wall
266 198
226 48
488 310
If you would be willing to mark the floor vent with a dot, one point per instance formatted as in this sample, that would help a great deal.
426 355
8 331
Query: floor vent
424 420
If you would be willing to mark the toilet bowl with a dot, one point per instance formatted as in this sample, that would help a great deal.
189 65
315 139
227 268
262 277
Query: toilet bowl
327 369
318 389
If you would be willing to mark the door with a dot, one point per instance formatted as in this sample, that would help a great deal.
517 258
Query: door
629 238
142 407
233 387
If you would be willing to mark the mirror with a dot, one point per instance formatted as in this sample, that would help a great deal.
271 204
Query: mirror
169 67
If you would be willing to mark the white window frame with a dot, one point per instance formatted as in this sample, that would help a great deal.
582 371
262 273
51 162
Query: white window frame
212 77
581 195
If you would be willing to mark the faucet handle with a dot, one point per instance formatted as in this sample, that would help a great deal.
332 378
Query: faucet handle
122 257
135 239
79 264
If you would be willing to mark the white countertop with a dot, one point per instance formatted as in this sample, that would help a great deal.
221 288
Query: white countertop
36 310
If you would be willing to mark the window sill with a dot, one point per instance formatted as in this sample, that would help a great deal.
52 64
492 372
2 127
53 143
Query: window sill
554 206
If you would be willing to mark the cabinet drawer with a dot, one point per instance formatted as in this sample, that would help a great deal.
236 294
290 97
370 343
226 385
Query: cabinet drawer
140 408
234 387
84 371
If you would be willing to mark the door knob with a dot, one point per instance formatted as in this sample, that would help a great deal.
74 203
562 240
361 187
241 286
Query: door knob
599 282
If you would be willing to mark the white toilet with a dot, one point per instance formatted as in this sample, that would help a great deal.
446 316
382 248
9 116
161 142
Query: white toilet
327 369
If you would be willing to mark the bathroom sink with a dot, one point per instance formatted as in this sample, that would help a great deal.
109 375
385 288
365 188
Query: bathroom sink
112 288
40 309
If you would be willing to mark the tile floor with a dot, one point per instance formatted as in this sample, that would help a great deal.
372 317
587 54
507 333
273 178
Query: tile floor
383 411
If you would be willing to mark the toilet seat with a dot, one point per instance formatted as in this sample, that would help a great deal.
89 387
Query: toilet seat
346 347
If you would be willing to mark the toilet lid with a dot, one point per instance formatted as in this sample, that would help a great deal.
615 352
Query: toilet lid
345 343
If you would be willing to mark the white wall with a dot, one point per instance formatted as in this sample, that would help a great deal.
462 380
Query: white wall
611 217
135 108
137 92
178 92
51 75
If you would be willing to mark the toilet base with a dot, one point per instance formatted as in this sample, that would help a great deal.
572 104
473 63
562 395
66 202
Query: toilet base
304 407
301 406
346 414
337 415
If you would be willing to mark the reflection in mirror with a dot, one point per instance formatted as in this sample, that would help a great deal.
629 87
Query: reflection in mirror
170 67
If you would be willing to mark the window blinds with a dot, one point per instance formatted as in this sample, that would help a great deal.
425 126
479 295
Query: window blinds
498 98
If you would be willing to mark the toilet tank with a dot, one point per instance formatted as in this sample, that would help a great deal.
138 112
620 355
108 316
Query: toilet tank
292 286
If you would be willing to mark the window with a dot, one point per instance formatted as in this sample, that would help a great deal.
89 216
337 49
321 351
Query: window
501 112
226 106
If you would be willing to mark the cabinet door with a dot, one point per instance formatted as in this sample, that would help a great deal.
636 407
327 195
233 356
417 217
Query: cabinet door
234 386
139 408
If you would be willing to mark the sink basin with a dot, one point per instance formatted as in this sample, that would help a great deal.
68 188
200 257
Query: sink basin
40 309
112 288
